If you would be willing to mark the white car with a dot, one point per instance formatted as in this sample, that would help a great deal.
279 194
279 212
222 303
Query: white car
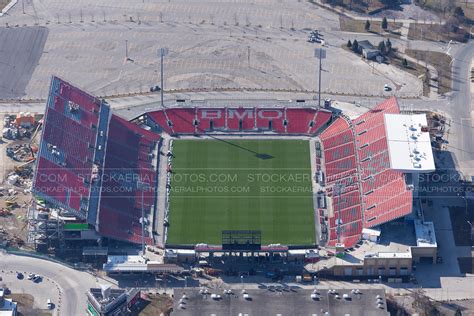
215 296
31 276
49 304
386 87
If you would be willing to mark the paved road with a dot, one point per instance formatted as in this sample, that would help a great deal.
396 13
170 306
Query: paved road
73 284
461 102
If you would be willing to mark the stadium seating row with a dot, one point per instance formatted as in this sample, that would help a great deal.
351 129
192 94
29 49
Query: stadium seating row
131 177
356 161
202 120
68 146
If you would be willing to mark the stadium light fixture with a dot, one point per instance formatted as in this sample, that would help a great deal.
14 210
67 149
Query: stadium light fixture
319 53
143 186
162 52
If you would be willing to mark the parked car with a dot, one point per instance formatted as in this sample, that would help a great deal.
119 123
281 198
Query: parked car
49 304
19 276
31 276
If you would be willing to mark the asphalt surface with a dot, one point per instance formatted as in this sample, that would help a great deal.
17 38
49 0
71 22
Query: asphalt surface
72 284
20 51
461 107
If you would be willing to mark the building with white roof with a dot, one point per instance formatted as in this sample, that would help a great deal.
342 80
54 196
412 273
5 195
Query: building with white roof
7 306
409 143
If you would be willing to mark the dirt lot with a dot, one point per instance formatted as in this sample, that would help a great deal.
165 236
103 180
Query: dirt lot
357 6
154 305
25 305
441 62
414 69
435 33
3 3
358 26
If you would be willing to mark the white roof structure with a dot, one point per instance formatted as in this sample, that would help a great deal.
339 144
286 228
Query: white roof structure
409 143
371 231
425 234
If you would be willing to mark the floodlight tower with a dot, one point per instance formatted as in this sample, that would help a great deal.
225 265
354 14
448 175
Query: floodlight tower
320 53
162 52
143 186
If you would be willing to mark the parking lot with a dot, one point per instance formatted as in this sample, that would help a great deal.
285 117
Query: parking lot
66 287
212 45
41 290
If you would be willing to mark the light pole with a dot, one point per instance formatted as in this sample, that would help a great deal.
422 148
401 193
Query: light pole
126 51
143 186
319 53
162 52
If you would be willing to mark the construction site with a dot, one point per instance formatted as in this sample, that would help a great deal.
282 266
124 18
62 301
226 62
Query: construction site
19 144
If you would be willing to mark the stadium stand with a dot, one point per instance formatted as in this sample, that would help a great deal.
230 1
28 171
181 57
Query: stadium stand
240 119
68 151
102 168
130 176
356 164
279 120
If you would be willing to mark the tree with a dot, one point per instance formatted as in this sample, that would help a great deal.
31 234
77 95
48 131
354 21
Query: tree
388 46
384 23
349 44
405 63
458 12
355 46
367 25
458 312
382 47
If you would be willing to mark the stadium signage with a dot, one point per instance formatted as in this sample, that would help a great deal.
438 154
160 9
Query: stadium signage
241 114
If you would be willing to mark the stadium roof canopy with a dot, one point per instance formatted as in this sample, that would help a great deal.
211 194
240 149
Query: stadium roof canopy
409 143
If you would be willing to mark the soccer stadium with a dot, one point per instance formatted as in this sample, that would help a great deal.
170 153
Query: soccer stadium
259 178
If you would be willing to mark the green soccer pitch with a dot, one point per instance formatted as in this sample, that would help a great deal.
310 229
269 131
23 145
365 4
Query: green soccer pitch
241 185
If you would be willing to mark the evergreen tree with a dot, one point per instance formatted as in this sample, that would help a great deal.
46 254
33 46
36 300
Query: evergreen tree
388 46
367 25
355 46
349 43
405 63
382 47
384 23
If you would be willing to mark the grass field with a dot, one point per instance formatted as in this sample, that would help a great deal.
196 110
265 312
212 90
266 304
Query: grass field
241 185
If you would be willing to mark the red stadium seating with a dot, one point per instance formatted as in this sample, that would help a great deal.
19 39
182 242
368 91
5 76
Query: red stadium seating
278 120
299 120
68 146
126 208
182 120
210 116
359 147
240 119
